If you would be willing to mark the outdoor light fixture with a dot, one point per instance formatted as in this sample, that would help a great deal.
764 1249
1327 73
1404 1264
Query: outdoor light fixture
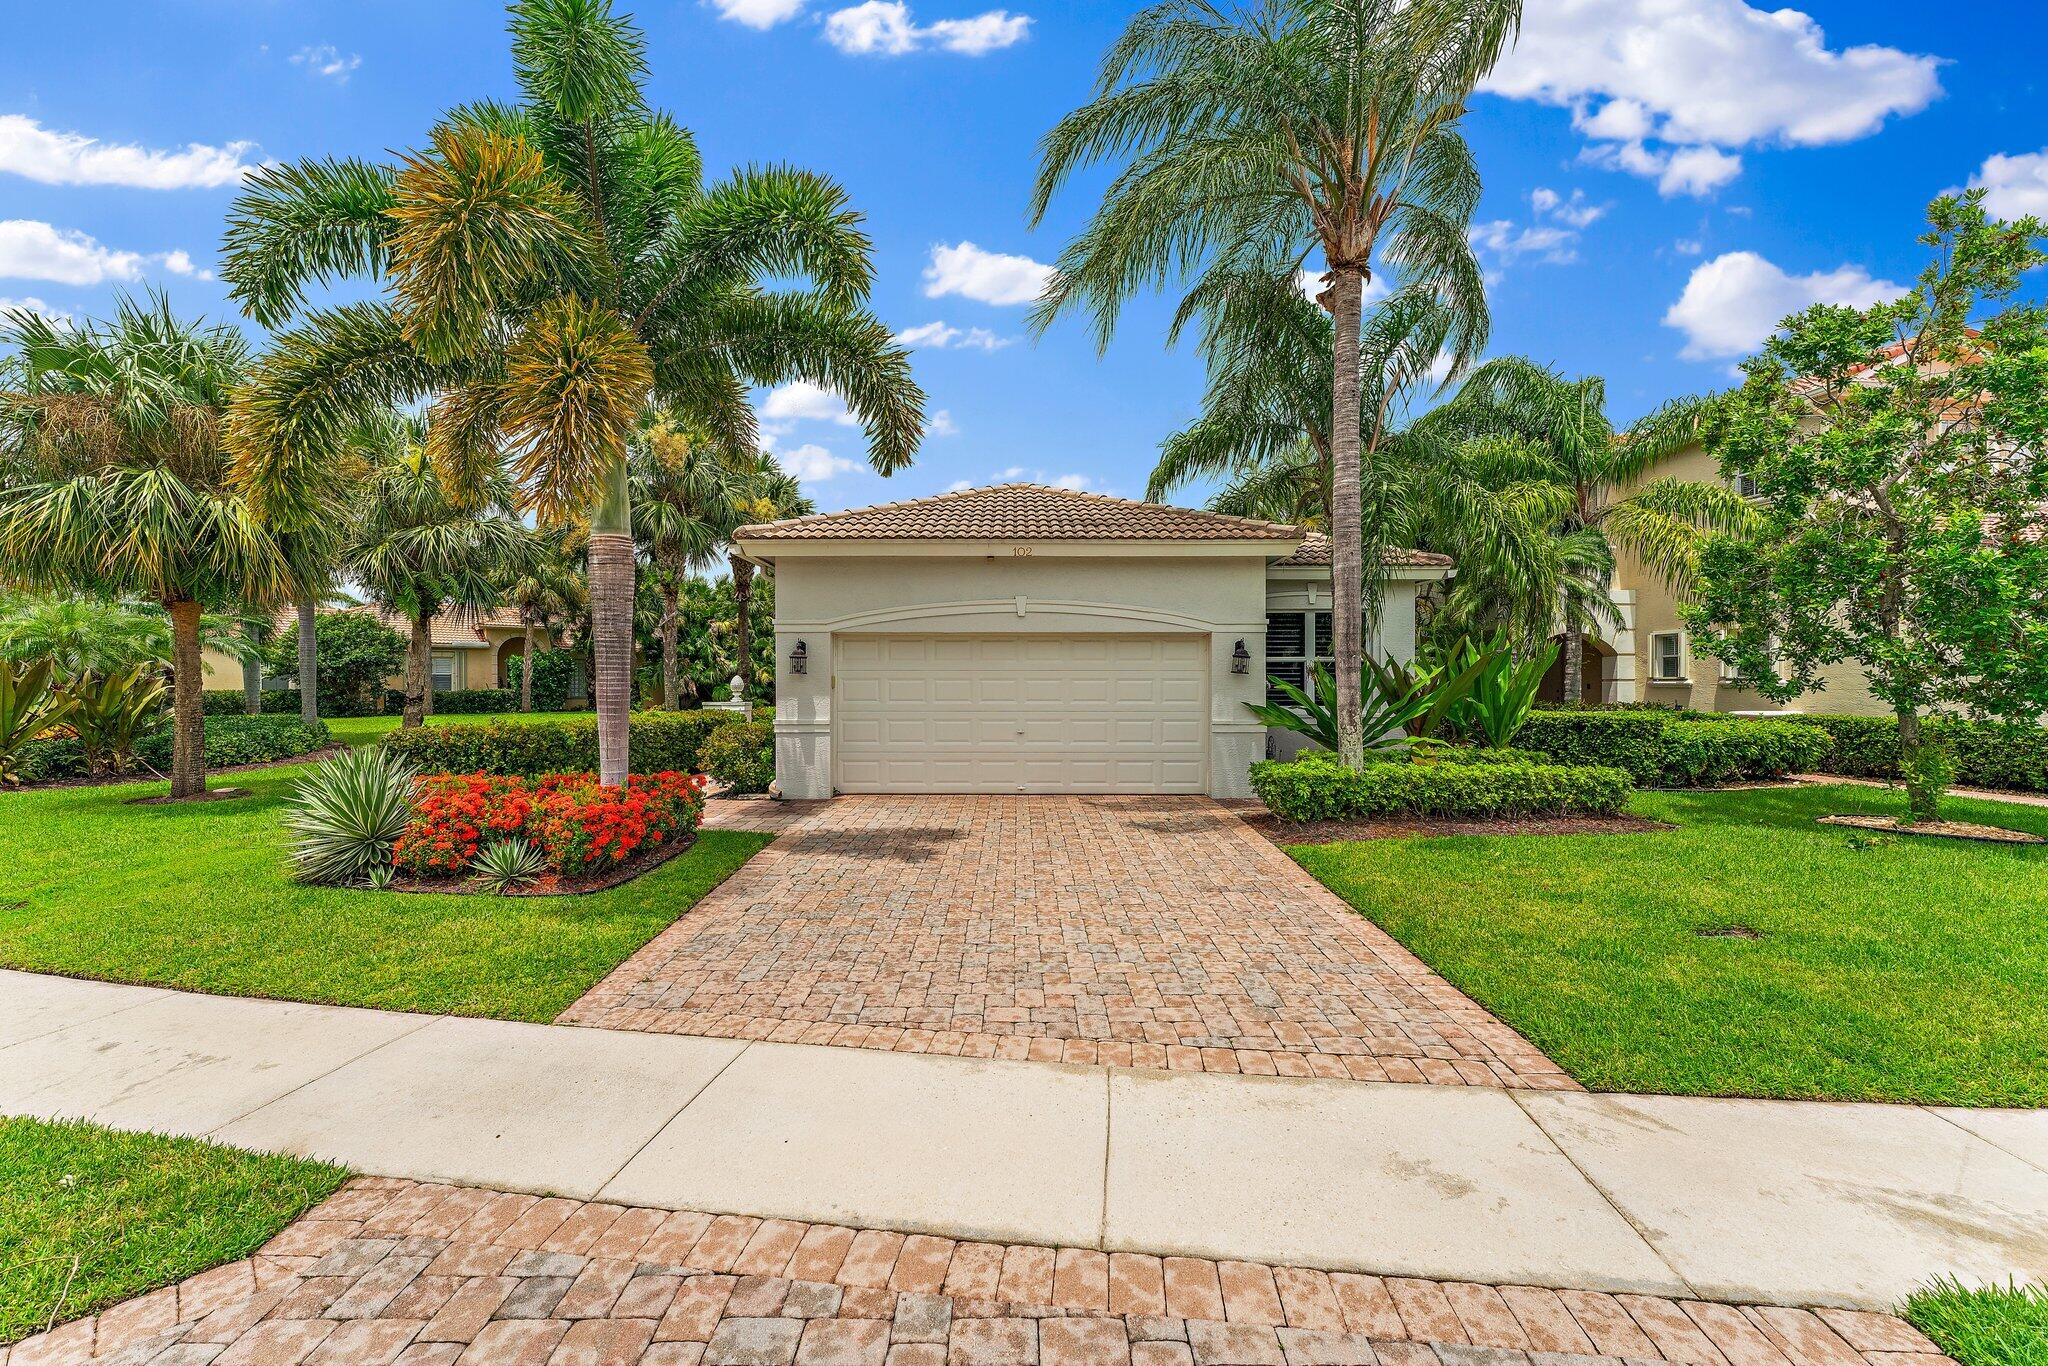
1240 660
799 658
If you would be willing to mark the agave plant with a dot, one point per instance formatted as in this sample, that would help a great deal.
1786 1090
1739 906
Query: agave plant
508 865
347 814
113 712
29 705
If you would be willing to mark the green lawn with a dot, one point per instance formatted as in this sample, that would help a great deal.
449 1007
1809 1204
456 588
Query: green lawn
1898 970
196 896
90 1217
2003 1327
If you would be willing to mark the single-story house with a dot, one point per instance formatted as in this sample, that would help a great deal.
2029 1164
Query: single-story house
469 651
1029 639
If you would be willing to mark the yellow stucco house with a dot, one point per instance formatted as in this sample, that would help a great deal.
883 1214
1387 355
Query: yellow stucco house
469 652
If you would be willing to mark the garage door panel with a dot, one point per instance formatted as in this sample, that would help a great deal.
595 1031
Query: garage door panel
1021 714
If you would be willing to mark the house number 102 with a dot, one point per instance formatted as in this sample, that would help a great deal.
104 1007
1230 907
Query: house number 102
1021 551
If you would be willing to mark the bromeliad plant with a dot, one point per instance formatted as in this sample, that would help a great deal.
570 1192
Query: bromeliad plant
30 704
1503 692
510 865
1401 704
114 712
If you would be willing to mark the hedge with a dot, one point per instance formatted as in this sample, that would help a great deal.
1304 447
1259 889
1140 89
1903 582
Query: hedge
661 741
1987 753
275 702
1694 753
1628 740
741 758
229 740
1316 787
475 701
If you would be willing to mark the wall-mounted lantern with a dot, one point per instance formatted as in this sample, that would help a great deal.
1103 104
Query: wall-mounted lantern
1240 659
799 658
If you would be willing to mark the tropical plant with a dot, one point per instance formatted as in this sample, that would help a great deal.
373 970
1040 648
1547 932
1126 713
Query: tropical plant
1260 134
30 704
547 591
689 494
80 634
553 267
509 865
119 483
114 711
355 653
1401 704
347 814
419 550
775 495
1504 690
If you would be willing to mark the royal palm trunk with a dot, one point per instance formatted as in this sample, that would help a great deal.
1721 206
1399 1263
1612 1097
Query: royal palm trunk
1574 664
611 624
188 702
419 666
671 687
1347 549
309 664
526 671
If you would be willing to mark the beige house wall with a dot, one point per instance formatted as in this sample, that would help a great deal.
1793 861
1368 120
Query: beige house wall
476 666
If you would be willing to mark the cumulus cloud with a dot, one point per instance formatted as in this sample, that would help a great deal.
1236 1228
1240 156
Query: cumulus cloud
1735 301
1574 212
802 401
988 277
2014 186
1660 85
327 62
58 158
31 304
813 464
942 336
1310 283
886 28
942 424
758 13
34 250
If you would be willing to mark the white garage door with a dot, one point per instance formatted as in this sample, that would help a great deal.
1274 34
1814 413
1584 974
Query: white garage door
1021 713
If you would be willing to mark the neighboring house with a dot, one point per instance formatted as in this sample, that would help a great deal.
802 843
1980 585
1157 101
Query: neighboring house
469 651
1028 639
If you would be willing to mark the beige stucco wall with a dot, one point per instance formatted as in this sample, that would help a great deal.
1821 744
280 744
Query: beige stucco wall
1391 635
819 598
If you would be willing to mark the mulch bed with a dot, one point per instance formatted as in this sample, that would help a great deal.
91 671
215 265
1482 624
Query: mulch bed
553 884
1337 832
1941 830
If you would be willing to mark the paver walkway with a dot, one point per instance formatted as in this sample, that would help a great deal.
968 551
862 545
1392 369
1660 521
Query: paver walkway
1133 931
424 1274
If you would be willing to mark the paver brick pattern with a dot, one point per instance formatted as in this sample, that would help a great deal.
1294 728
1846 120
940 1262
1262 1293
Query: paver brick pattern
1124 931
395 1271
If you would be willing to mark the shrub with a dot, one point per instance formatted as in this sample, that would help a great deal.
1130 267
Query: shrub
1316 787
475 701
552 671
511 864
1628 740
240 740
1986 753
270 702
661 741
353 653
1704 752
742 757
114 712
347 815
30 703
583 827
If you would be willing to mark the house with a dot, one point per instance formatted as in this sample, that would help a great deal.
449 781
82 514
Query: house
1029 639
468 651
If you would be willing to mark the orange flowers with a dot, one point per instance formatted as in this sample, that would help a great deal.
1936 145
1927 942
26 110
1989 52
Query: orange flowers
582 825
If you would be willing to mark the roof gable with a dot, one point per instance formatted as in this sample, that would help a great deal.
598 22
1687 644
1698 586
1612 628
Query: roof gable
1020 512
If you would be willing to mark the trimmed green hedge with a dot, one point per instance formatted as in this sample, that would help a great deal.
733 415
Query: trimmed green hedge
1316 787
229 740
275 702
1987 754
1696 753
741 758
1628 740
661 741
475 701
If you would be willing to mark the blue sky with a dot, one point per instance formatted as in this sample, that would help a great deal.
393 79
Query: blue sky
1663 177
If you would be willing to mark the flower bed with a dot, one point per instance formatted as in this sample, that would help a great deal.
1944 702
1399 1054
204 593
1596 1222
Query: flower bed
587 835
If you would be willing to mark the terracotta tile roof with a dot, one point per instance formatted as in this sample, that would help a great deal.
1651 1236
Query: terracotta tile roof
1315 550
1020 512
450 630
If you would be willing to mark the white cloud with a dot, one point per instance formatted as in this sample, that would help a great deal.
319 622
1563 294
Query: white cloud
42 154
942 424
885 28
1692 76
1310 283
1688 246
2016 185
326 61
1077 483
941 336
960 486
1508 241
802 401
1574 212
758 13
987 277
814 464
33 250
31 304
1736 301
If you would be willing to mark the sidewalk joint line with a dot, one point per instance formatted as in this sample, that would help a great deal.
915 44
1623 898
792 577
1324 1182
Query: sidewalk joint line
160 993
345 1062
1108 1127
1991 1143
746 1046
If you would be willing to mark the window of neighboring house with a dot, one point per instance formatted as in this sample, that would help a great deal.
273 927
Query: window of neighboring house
1667 657
1745 485
444 671
1295 641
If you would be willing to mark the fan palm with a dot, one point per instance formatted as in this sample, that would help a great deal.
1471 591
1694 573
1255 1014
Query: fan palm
774 494
1610 503
689 494
547 591
553 267
118 482
418 550
1271 131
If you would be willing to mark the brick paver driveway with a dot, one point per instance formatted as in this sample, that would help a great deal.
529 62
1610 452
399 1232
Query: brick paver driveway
1140 931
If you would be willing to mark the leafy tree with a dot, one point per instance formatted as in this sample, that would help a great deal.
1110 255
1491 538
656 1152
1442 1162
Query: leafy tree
1896 457
82 634
546 592
689 493
356 653
553 267
1259 134
117 482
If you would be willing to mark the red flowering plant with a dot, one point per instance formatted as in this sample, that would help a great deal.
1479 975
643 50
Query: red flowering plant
583 827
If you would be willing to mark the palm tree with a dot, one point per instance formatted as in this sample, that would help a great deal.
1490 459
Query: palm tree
546 592
554 266
1571 444
418 551
689 494
118 483
1255 136
773 495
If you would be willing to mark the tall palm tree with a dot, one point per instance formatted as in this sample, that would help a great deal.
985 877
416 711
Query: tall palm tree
1261 133
1602 473
546 592
553 267
773 494
117 482
419 551
689 494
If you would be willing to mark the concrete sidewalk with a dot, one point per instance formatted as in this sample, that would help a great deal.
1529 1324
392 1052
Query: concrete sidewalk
1848 1205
